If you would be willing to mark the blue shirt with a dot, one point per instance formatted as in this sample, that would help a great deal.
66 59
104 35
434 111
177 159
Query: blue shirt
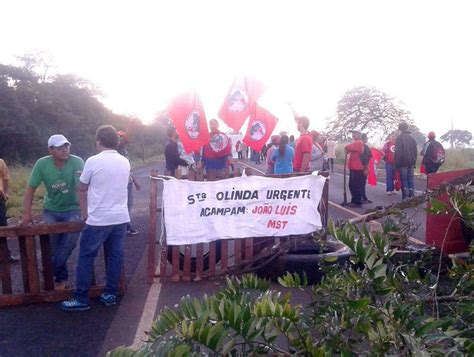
284 165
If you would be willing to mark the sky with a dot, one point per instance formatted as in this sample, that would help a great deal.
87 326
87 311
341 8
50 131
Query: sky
309 53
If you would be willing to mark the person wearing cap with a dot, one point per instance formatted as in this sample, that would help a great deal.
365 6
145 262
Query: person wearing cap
429 151
303 147
356 169
59 172
122 150
270 164
406 153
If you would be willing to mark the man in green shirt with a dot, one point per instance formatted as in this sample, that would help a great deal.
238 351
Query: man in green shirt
59 172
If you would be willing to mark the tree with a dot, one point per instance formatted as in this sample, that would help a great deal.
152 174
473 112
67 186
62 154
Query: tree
457 137
369 110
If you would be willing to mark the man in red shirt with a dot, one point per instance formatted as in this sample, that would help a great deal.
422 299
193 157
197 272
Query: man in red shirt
389 157
303 147
356 169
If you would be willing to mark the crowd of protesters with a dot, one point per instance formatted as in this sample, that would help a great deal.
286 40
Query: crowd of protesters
100 191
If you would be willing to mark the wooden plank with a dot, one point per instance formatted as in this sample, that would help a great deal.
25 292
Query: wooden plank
152 229
39 229
24 264
248 248
48 276
224 256
175 264
199 261
163 263
187 263
5 267
32 263
212 260
47 296
237 251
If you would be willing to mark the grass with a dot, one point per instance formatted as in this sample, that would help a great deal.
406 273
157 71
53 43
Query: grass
18 179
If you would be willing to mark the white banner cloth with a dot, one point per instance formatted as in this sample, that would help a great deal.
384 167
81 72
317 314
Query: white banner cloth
241 207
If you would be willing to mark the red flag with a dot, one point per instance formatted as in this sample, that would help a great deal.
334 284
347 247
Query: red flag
261 125
240 101
187 114
373 165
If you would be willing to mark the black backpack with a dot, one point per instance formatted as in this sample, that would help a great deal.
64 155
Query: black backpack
438 154
366 155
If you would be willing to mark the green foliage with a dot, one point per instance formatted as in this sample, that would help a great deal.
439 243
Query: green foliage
33 107
367 109
458 158
376 305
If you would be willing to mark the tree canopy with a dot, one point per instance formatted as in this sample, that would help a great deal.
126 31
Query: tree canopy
369 110
34 106
457 137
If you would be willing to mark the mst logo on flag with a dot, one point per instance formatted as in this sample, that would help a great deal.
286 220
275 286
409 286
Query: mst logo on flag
192 124
219 142
240 101
187 114
261 125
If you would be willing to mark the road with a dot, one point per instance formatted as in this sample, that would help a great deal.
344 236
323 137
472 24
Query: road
46 330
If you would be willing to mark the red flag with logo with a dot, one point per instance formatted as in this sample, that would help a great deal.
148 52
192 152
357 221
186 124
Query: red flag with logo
240 101
260 128
373 165
188 117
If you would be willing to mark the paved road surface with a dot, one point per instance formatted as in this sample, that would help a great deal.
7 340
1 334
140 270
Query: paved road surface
45 330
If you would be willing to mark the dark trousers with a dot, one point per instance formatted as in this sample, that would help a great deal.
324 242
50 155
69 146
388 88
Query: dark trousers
364 193
356 185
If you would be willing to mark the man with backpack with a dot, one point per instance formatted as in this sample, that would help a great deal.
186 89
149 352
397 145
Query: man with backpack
406 152
433 154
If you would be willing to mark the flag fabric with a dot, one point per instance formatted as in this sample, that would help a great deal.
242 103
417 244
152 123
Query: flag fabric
188 117
373 165
240 101
260 128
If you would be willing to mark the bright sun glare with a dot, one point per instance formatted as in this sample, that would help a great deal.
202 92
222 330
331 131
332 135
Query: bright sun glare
305 52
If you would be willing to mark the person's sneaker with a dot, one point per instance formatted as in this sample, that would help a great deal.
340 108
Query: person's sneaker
13 259
108 299
132 232
354 205
366 201
74 305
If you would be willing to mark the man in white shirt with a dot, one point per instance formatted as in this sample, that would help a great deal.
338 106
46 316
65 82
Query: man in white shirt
331 152
103 201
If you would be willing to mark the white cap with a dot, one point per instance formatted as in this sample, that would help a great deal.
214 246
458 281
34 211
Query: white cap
57 140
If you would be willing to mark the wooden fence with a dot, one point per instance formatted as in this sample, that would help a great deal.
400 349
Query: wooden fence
205 261
37 273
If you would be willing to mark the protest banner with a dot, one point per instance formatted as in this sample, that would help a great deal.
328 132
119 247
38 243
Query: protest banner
255 206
